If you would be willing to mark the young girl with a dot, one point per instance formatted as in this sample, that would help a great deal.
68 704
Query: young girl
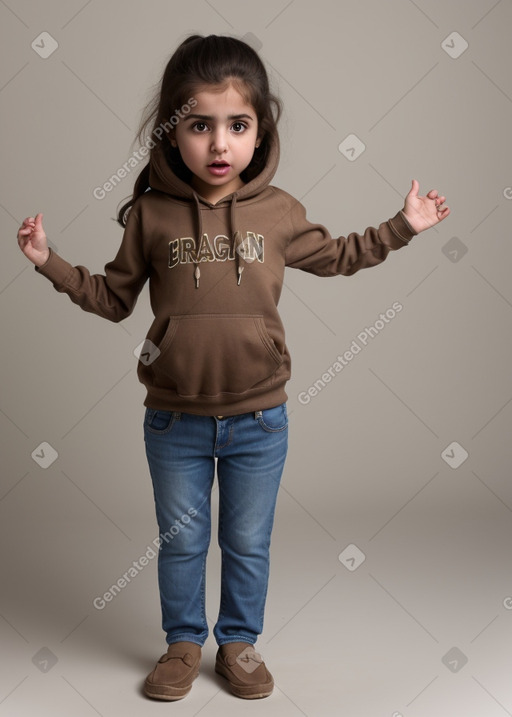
213 237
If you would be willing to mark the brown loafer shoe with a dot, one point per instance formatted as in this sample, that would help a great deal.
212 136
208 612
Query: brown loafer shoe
174 672
245 670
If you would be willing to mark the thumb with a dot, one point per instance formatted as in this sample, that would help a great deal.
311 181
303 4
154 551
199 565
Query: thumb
39 222
413 192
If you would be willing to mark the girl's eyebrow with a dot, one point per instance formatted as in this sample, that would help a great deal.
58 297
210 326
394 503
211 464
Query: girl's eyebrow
210 118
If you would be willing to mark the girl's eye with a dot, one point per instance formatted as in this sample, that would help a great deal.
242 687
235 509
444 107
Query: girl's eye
201 127
238 127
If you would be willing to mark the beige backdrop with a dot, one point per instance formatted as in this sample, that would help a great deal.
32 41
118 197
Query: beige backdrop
391 577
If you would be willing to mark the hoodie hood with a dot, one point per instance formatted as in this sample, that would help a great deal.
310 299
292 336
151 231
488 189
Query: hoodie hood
163 179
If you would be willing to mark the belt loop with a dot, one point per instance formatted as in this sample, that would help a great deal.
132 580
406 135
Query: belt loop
177 415
258 414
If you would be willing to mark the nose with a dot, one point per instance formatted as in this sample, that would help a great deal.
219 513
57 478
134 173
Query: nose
219 142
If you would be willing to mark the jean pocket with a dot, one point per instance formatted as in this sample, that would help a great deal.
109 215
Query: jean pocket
156 421
274 419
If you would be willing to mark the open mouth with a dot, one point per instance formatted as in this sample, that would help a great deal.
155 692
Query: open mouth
219 168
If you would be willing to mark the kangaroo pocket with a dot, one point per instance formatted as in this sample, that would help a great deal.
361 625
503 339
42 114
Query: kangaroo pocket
210 354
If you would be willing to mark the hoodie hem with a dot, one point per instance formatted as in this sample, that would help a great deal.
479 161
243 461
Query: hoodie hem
216 406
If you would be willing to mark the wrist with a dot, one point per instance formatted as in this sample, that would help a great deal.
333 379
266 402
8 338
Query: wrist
408 220
42 259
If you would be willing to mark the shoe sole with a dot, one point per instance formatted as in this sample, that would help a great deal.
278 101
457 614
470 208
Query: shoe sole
252 692
166 692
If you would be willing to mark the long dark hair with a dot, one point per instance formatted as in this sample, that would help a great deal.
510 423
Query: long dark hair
199 62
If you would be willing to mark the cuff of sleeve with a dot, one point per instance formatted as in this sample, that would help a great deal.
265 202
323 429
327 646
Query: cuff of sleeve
56 269
401 227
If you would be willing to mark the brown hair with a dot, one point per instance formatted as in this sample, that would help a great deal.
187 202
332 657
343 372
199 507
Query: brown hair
198 62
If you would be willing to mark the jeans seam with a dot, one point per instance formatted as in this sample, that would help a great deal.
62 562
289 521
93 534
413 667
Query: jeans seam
236 638
185 637
203 591
156 432
222 602
269 429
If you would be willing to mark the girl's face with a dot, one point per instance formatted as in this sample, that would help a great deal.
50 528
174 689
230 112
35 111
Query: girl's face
217 141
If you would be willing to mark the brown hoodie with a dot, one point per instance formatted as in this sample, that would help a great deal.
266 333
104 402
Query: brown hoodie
217 344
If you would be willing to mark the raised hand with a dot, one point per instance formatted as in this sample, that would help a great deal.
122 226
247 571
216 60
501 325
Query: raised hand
32 240
424 212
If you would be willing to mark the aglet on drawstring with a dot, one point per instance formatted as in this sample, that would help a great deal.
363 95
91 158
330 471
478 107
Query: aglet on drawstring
240 269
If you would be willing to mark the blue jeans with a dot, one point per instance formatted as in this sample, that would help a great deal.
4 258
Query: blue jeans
251 451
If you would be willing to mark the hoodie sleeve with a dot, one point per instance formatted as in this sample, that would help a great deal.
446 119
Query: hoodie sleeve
312 248
111 295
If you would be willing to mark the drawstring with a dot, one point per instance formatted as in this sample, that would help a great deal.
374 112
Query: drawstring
197 270
236 240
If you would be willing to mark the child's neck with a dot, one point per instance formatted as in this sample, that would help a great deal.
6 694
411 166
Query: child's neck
214 194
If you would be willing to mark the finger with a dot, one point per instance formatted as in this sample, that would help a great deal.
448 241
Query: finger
25 232
432 194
